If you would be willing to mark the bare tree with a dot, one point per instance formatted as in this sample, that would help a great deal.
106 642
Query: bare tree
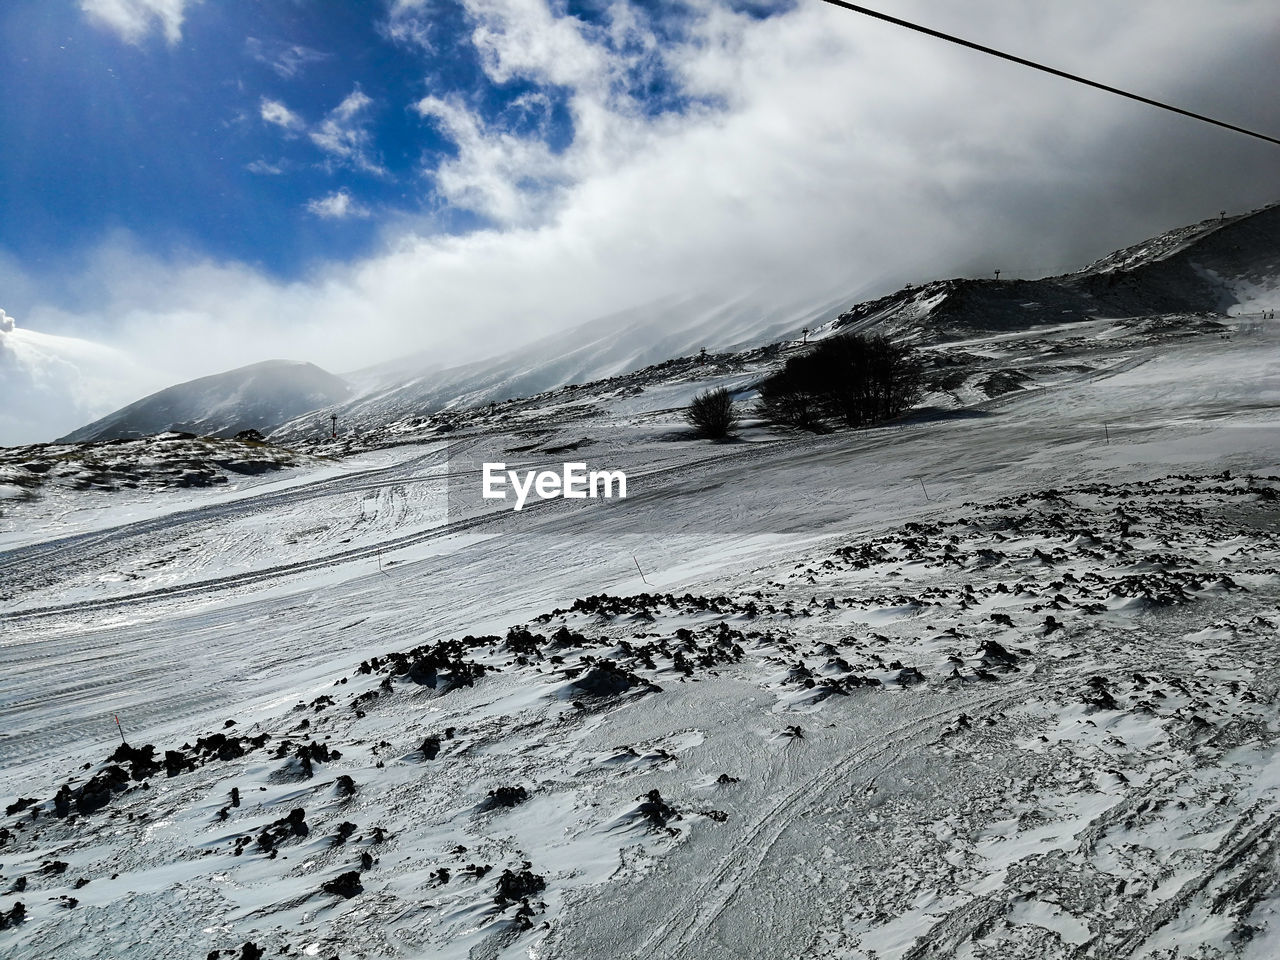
852 380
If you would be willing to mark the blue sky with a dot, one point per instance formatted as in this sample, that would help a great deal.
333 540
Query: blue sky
277 133
216 141
191 185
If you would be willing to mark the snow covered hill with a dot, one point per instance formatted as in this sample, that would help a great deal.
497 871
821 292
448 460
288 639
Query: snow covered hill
1214 267
256 397
606 347
996 681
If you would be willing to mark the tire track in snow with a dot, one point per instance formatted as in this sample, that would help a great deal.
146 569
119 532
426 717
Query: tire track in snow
244 506
365 552
734 871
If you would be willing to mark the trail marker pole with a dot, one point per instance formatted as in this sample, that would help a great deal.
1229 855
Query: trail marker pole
922 487
1107 430
121 729
642 576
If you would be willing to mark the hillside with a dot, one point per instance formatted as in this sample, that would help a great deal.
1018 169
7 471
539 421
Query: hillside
605 347
256 397
1210 267
998 681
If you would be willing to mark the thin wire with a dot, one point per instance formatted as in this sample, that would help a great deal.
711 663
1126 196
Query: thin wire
1046 69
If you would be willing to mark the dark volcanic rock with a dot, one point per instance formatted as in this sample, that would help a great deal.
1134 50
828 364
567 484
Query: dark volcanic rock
606 679
518 885
656 810
994 655
345 885
14 917
507 796
294 825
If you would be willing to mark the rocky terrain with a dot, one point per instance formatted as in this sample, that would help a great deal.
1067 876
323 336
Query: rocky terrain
163 461
1037 725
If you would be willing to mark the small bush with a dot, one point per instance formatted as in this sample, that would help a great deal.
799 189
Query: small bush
850 380
712 414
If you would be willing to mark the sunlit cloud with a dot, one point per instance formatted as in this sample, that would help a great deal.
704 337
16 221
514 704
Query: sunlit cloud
134 19
276 113
344 135
504 177
337 206
48 382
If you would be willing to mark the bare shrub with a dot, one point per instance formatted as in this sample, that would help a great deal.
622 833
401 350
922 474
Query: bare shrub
712 414
849 379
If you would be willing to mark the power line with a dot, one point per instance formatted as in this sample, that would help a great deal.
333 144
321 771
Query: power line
853 7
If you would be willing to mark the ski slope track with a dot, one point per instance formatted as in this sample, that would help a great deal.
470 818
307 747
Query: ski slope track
1001 679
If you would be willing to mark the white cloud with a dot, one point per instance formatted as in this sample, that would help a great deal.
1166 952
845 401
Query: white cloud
265 168
48 383
287 60
275 112
343 133
338 205
410 21
504 177
134 19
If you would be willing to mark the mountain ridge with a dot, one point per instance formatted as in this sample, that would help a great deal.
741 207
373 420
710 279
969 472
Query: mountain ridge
1206 267
1210 268
253 397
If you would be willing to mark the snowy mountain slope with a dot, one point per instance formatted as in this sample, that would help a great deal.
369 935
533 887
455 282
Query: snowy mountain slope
606 347
999 679
256 397
1212 267
1209 267
989 684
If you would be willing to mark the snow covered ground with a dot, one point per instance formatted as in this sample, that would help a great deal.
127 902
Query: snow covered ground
998 681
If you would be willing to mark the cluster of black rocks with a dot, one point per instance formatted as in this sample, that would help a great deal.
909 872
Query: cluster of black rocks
442 666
